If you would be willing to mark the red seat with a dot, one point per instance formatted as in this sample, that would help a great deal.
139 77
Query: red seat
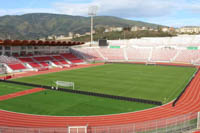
35 65
26 59
44 64
68 55
56 62
44 58
77 61
72 58
17 66
58 57
63 62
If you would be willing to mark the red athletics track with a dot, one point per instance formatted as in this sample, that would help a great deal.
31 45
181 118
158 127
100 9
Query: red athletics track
189 102
21 93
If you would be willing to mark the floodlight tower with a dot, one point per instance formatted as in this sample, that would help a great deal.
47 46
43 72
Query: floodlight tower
92 12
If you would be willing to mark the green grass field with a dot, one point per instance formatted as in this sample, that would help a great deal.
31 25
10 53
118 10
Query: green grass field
68 104
6 88
140 81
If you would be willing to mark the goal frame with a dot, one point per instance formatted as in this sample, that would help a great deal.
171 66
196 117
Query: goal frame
77 127
65 84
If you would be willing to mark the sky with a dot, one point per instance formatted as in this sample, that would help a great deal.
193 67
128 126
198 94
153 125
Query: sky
176 13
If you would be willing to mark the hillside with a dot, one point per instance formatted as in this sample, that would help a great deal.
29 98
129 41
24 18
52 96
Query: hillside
37 25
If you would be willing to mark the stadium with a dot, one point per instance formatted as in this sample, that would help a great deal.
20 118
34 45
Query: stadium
147 85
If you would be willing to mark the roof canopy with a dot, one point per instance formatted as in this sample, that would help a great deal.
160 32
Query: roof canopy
37 43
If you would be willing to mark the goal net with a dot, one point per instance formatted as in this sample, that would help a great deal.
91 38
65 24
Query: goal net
65 84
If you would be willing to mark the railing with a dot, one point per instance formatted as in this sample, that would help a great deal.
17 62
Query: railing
177 124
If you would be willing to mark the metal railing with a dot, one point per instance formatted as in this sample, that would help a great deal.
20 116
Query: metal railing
177 124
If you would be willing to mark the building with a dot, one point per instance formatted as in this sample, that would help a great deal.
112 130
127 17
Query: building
165 29
188 29
63 38
135 28
111 29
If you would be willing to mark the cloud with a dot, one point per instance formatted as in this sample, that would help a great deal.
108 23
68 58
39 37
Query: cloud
131 8
121 8
167 12
71 9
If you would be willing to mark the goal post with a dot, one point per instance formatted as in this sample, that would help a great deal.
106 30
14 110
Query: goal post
65 84
77 129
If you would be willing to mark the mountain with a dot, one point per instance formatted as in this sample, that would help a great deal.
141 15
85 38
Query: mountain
37 25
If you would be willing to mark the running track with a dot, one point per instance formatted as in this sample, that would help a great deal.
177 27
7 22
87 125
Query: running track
189 102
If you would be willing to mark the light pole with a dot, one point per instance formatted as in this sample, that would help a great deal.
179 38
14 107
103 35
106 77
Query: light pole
92 12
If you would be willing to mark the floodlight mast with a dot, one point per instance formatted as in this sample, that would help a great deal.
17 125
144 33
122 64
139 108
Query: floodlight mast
92 12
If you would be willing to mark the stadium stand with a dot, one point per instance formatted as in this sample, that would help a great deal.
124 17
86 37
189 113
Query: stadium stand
63 62
72 58
163 54
43 58
26 59
17 66
8 60
90 53
44 64
38 62
112 54
138 54
187 56
59 60
58 57
56 62
34 65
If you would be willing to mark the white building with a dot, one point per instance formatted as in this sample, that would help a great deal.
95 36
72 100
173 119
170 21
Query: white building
189 29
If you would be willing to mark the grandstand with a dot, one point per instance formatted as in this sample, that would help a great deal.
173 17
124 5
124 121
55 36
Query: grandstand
22 56
181 49
18 56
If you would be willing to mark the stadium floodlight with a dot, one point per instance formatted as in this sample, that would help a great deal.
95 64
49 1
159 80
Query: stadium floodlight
92 11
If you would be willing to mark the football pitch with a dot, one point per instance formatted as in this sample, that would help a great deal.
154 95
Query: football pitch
160 83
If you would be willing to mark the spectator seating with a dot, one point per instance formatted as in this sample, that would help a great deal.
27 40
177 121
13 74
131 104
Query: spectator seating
26 59
72 58
8 60
138 54
112 54
90 53
76 60
187 56
58 57
59 60
17 66
43 58
56 62
63 62
44 64
163 54
197 61
34 64
17 63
